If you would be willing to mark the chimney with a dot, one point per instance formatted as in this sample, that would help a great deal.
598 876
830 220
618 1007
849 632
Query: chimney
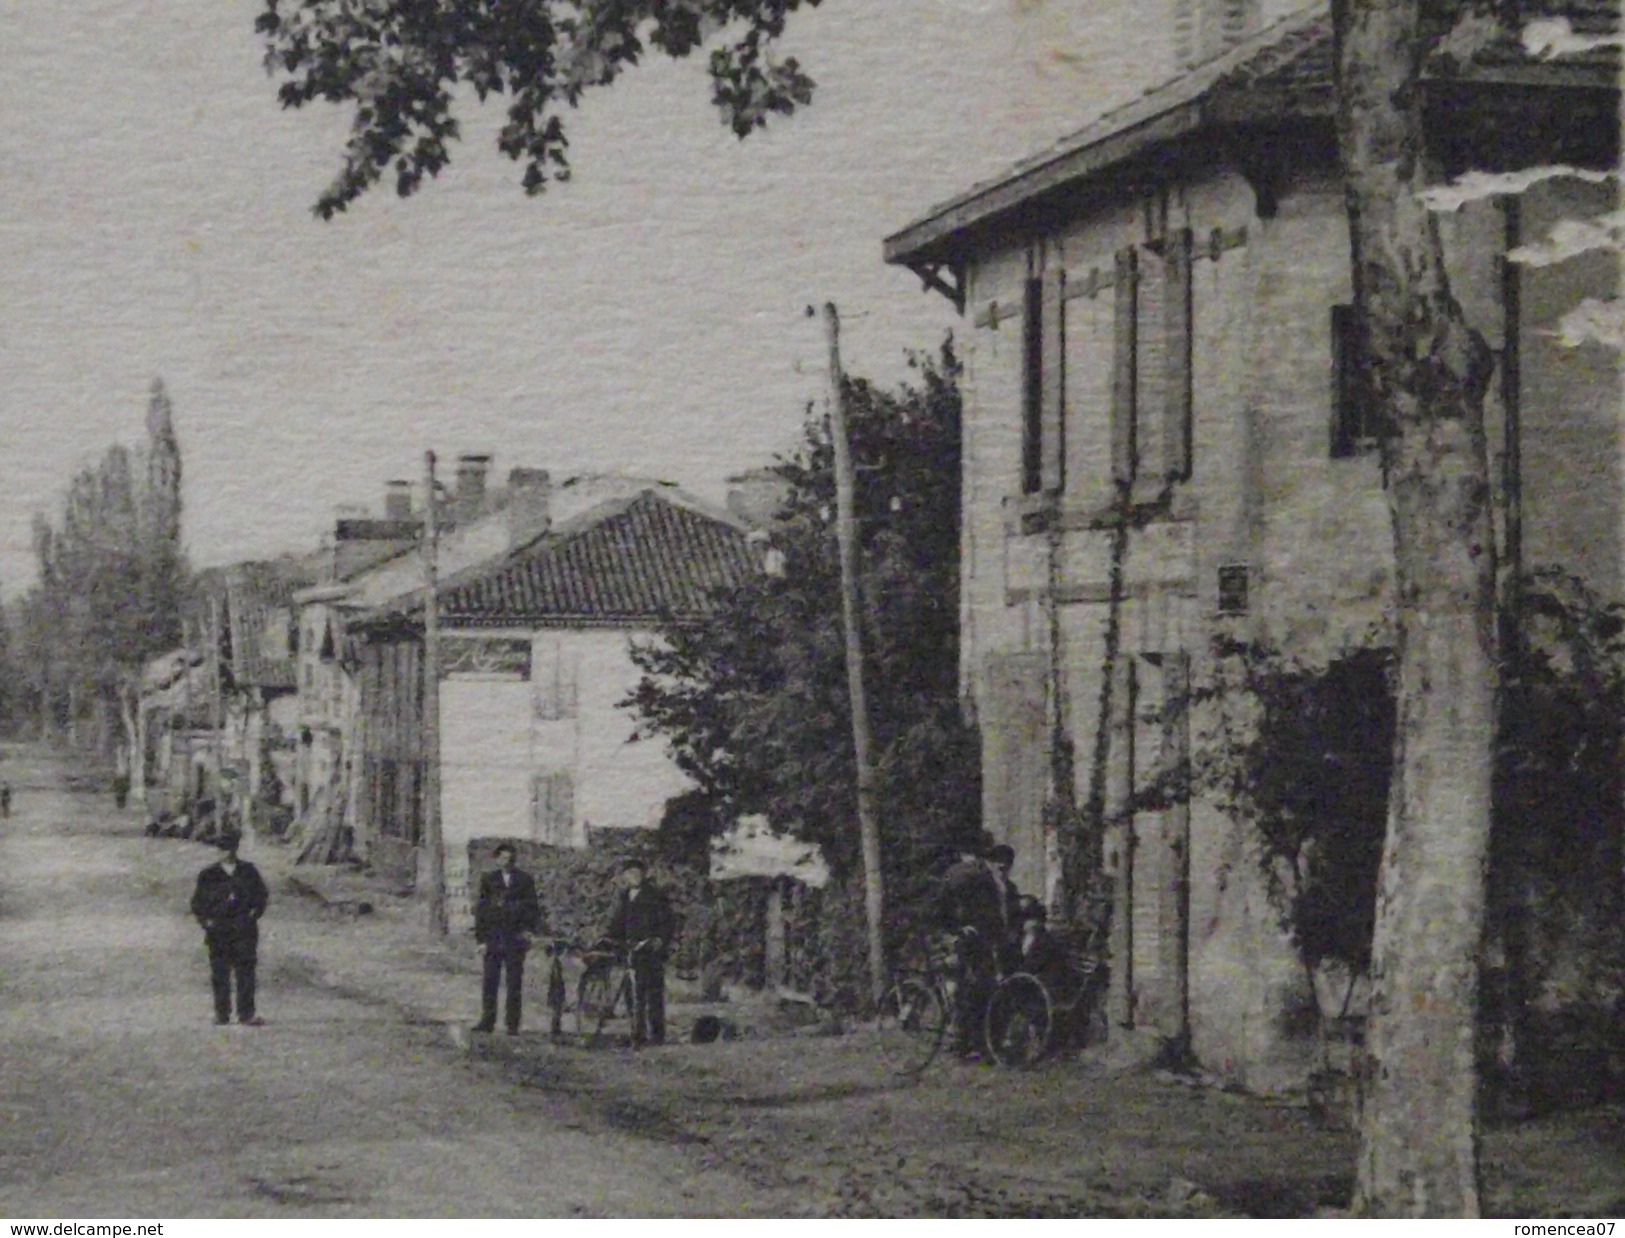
530 495
398 500
468 503
756 497
1205 29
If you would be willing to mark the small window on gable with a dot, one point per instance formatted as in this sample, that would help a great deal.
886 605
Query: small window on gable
1356 415
1032 388
1233 582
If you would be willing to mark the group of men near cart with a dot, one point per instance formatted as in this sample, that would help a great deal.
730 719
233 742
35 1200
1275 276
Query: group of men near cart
996 931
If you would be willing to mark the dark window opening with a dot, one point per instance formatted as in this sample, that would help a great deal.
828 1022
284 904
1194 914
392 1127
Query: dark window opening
1233 589
1032 388
1356 412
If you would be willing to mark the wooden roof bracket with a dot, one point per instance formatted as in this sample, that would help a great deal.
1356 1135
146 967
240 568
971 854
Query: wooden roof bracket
1263 166
953 287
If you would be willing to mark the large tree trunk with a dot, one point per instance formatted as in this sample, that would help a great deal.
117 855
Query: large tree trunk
1419 1133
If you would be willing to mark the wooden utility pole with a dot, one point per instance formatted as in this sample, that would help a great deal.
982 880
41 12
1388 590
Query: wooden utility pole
217 717
434 846
874 889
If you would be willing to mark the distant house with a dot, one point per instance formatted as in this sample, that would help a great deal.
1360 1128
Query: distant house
216 718
172 710
1160 306
535 661
360 764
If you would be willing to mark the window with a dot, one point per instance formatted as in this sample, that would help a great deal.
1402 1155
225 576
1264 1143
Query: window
1032 388
553 687
1125 365
552 808
1177 340
1233 579
1356 414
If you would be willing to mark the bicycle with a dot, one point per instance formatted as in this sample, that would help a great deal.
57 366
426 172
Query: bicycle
557 991
919 1009
597 998
1032 1014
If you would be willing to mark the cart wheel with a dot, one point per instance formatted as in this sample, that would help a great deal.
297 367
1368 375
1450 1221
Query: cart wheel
1020 1021
592 1003
911 1024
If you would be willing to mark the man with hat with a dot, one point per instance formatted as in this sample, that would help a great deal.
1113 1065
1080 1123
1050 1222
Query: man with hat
970 906
507 914
1000 860
228 902
642 926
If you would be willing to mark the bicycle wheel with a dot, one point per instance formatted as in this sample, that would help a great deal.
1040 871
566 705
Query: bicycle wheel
622 996
592 999
911 1024
555 997
1020 1021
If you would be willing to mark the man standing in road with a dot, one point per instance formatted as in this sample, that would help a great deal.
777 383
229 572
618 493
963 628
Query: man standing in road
228 902
5 799
642 925
507 914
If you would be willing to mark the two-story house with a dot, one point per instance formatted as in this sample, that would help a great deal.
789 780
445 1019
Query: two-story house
1166 441
535 743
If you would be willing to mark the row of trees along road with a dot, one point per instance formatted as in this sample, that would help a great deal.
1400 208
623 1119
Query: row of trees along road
112 578
1430 366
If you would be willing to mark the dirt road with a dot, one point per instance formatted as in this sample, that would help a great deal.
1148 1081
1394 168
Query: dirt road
121 1096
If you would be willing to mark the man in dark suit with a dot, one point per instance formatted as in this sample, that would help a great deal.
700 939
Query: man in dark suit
642 925
228 902
506 916
968 898
1000 860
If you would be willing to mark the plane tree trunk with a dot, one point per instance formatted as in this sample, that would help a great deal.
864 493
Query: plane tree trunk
1419 1123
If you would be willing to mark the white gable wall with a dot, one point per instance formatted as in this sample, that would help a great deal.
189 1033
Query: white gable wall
500 734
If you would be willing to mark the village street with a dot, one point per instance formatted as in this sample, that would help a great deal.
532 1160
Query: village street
364 1096
122 1098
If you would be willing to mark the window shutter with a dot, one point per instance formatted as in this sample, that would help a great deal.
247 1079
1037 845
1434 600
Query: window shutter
561 806
1032 387
1124 365
552 808
1052 351
554 688
1352 426
1176 426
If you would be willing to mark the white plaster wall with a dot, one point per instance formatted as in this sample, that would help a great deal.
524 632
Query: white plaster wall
619 783
494 742
484 759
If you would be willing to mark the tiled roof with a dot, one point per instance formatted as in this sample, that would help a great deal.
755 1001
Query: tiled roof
1283 70
633 560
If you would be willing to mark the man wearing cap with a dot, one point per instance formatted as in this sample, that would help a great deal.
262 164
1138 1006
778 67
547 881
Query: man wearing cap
1000 860
228 902
968 896
643 924
505 917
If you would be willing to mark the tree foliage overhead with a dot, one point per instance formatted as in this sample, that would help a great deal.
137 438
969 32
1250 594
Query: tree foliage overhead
753 700
402 62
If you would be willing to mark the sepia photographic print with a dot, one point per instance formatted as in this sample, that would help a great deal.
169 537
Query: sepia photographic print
812 609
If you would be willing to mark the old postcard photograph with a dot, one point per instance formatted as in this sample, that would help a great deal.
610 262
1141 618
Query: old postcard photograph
811 608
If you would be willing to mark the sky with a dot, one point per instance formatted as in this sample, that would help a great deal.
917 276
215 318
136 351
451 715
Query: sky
648 317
